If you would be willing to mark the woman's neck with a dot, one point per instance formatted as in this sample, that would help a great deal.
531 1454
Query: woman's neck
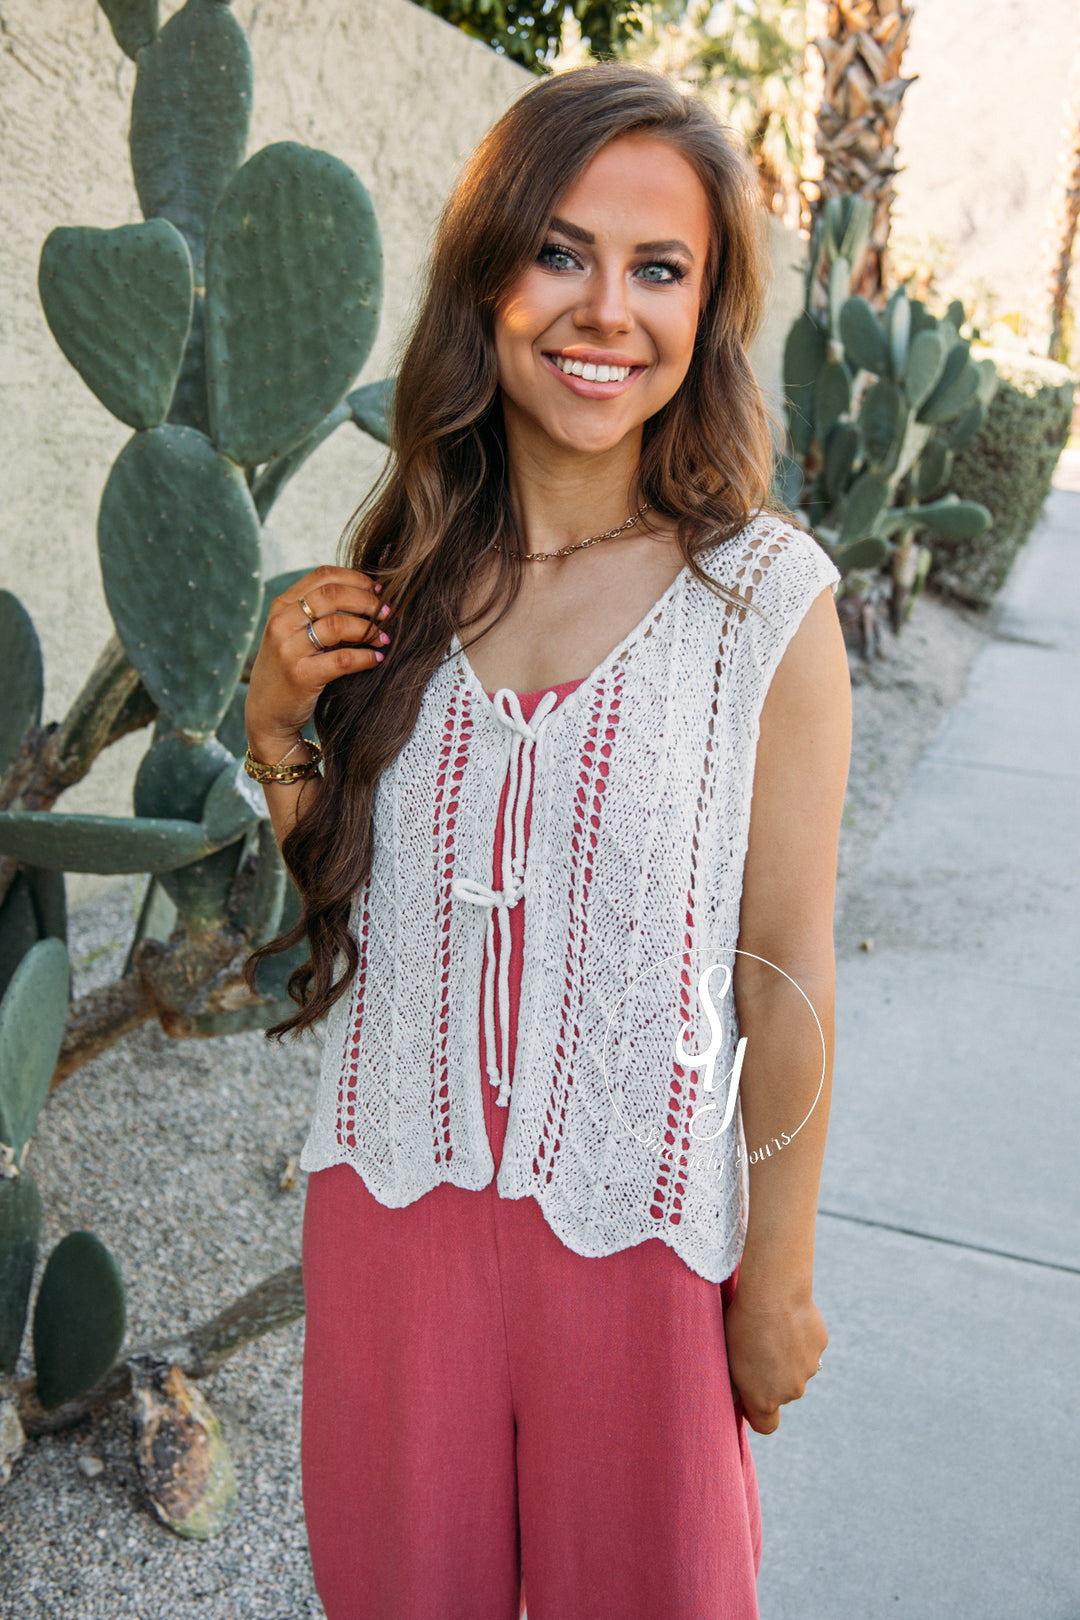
563 496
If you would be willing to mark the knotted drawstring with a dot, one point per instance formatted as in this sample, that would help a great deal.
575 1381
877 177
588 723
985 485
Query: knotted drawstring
522 736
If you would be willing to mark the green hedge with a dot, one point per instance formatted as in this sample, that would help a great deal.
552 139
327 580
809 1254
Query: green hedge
1008 466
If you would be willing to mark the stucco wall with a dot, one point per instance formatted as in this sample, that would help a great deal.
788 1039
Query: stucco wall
395 92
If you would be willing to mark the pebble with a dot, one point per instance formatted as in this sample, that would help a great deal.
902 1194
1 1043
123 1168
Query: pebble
91 1466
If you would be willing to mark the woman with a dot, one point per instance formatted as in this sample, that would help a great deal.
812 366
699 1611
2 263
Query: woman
551 1269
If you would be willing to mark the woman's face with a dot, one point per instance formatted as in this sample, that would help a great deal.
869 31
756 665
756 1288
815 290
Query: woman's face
617 284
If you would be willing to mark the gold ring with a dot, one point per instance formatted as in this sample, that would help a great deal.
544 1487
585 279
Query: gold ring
311 617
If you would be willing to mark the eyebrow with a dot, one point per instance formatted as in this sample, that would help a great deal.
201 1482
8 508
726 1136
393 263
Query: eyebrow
577 234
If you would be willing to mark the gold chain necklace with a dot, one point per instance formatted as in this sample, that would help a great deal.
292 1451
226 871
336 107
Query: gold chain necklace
542 556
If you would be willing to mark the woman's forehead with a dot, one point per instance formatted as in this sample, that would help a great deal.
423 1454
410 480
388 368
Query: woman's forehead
638 181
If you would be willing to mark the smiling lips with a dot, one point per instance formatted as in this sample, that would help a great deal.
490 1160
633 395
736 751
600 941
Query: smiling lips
591 378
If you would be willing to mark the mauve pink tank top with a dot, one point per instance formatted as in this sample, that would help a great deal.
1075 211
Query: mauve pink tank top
528 701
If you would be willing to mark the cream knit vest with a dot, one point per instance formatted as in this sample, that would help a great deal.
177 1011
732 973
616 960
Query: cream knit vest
642 781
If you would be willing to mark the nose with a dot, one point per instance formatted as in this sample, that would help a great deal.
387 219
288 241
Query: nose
605 305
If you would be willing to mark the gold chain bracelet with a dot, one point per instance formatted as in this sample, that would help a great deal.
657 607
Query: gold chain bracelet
284 775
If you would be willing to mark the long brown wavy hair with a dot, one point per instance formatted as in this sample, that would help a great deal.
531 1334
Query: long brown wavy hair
442 501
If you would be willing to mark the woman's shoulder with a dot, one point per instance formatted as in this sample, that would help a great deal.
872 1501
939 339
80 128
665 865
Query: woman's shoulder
775 563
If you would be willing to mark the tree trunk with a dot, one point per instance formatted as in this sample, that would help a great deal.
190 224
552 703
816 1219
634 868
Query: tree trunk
1046 326
853 96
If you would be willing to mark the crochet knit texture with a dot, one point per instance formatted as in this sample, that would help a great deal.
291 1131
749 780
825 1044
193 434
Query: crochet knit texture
641 787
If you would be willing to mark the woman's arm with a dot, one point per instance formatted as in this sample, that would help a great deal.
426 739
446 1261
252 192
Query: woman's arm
774 1331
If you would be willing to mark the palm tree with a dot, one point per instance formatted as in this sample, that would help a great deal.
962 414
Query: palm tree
1046 325
853 92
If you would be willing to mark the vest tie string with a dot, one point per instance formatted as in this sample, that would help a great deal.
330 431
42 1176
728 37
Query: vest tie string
521 738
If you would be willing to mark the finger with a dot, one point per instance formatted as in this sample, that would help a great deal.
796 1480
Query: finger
336 629
327 574
316 670
335 596
763 1420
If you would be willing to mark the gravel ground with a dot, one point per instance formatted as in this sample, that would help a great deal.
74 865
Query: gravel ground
172 1153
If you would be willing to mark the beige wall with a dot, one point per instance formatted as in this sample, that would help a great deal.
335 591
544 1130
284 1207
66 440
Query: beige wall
386 86
978 139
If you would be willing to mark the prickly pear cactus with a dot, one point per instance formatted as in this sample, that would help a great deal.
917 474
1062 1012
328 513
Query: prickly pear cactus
876 404
228 330
95 286
32 1016
80 1317
20 1234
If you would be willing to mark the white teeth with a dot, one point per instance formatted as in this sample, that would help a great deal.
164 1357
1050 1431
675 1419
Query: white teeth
590 372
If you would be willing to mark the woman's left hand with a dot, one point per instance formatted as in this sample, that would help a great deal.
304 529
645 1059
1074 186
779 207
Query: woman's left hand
773 1349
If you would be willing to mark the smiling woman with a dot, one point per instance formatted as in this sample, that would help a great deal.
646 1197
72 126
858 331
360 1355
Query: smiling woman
539 1315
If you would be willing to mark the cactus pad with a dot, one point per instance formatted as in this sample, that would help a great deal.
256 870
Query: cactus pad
898 332
133 22
32 1017
178 538
23 676
35 907
233 805
189 406
841 451
178 773
372 408
862 337
293 292
190 113
865 503
832 396
864 554
927 354
20 1233
112 844
79 1318
952 517
119 305
804 355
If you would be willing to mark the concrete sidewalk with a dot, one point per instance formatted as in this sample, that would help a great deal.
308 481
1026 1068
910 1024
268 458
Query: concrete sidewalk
931 1469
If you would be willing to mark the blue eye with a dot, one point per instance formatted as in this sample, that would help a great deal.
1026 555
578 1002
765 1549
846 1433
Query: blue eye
552 251
674 271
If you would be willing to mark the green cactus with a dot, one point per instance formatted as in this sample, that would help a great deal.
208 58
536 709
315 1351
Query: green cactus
177 775
20 1234
105 844
133 22
875 407
96 288
229 330
178 537
190 113
80 1317
295 230
35 907
23 676
32 1017
371 407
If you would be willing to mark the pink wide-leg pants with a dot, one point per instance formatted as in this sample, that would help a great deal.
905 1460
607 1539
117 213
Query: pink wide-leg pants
489 1417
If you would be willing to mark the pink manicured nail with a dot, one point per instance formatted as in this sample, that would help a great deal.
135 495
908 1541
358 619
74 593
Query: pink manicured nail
379 657
384 611
378 587
384 639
